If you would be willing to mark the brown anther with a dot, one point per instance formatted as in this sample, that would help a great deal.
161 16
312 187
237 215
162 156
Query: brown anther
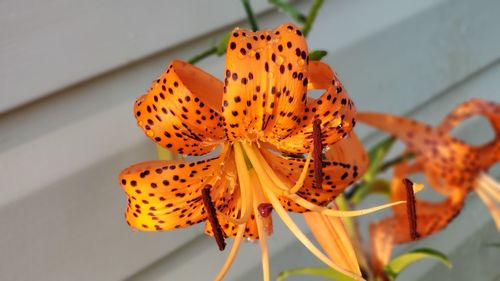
411 210
265 209
212 217
317 151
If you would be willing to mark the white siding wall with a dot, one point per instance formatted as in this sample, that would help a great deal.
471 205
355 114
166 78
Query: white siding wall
70 70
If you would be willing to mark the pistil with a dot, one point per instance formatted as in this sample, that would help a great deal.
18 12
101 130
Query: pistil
265 209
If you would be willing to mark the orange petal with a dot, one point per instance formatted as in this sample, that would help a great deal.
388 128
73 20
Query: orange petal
266 81
487 153
381 244
179 112
164 195
331 234
334 108
417 135
349 150
490 110
431 218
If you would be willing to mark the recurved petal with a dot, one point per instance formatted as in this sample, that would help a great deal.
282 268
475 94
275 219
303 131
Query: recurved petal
266 82
418 136
179 111
334 108
487 153
456 162
164 195
349 150
488 109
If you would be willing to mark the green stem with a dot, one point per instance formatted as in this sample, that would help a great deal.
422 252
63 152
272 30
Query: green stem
203 55
311 16
389 163
250 15
289 9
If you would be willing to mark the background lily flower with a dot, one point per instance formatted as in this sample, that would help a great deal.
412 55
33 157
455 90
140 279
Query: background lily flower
452 167
261 108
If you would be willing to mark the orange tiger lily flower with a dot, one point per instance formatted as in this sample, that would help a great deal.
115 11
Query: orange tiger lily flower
261 108
452 167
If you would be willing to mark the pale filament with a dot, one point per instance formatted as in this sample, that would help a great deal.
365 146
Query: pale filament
232 254
258 198
488 190
268 186
273 181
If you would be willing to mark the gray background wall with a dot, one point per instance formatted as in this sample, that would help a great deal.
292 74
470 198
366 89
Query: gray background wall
70 71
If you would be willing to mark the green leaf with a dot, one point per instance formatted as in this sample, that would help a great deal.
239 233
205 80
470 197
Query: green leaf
399 263
493 245
325 272
396 160
375 155
289 9
222 45
317 54
311 16
364 189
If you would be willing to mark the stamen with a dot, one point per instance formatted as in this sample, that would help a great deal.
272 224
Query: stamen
259 199
485 190
245 188
259 219
338 213
263 168
260 166
212 217
411 210
265 209
487 183
232 253
318 150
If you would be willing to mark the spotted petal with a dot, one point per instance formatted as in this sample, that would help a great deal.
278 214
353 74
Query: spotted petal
179 112
334 108
164 195
266 82
489 152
